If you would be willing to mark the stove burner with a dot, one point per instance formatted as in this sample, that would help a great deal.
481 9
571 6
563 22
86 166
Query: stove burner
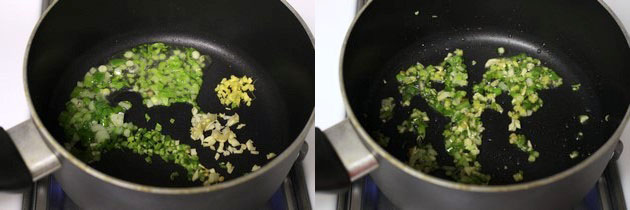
605 195
48 195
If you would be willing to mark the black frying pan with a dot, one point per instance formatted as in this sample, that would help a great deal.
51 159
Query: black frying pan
553 129
580 40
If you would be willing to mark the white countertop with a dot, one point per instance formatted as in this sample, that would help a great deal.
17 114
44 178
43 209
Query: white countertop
332 21
17 19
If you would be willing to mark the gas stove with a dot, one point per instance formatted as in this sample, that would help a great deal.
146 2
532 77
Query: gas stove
606 195
47 194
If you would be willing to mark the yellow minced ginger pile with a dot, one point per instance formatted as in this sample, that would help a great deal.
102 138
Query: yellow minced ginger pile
233 91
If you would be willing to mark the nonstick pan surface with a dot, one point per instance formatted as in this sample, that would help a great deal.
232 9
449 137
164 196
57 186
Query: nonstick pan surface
266 119
553 129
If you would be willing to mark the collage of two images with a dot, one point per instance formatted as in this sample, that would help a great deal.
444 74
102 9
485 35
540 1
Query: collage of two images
315 104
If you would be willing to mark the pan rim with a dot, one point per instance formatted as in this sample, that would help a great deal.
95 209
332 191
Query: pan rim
379 151
60 150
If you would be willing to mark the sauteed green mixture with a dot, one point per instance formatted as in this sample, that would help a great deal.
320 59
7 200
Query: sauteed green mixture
162 75
521 77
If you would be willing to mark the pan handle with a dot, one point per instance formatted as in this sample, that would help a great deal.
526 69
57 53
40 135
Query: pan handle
618 150
24 157
340 157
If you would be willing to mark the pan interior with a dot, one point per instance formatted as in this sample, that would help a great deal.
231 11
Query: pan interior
267 128
391 36
553 129
261 39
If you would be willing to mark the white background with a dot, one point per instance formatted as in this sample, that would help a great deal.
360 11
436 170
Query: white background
17 19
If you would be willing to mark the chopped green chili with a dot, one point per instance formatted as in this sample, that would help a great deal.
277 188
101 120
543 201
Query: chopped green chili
162 76
463 132
524 145
387 109
520 76
518 176
423 158
417 123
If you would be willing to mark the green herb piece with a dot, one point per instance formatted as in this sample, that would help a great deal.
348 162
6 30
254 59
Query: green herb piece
387 109
417 123
518 176
524 145
147 117
126 105
583 118
381 139
173 175
423 158
522 77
